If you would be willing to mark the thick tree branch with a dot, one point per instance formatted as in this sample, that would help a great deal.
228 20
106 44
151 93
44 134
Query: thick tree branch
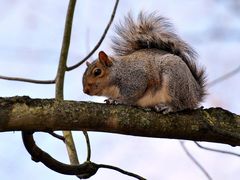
23 113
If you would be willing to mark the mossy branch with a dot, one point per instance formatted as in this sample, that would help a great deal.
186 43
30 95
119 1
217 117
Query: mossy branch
26 114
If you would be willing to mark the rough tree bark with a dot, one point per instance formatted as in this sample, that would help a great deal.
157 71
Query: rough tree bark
212 125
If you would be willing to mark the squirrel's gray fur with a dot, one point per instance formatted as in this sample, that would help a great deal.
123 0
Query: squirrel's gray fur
154 31
151 67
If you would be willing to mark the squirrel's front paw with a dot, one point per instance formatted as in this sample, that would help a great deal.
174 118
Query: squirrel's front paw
163 108
111 101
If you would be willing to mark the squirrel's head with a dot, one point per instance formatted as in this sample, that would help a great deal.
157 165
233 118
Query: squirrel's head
96 77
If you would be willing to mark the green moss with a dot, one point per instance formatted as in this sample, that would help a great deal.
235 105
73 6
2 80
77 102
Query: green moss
208 119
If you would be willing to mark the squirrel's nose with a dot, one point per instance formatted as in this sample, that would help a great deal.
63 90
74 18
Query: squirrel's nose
86 90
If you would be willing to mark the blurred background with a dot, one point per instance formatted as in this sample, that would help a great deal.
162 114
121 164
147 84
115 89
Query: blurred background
30 42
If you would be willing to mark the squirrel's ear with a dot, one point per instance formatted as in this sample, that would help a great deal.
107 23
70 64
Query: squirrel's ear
103 58
88 64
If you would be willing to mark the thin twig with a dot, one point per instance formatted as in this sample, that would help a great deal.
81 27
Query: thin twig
224 77
99 42
121 171
195 161
57 136
216 150
28 80
88 145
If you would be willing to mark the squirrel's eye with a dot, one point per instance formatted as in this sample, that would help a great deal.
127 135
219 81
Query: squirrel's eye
97 72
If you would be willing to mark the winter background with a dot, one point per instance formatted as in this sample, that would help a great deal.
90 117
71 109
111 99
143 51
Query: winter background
30 42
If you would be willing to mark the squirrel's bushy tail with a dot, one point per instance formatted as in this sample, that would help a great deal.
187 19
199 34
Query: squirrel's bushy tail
154 31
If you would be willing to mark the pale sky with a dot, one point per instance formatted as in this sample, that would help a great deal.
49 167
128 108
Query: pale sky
30 41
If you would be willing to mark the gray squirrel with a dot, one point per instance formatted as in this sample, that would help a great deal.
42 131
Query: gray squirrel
152 67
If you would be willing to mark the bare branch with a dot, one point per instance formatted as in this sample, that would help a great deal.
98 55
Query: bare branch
71 149
57 136
121 171
72 153
213 83
64 50
195 161
85 170
99 42
25 114
224 77
88 145
217 150
28 80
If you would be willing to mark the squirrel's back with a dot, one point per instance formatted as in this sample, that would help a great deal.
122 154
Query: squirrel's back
151 31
